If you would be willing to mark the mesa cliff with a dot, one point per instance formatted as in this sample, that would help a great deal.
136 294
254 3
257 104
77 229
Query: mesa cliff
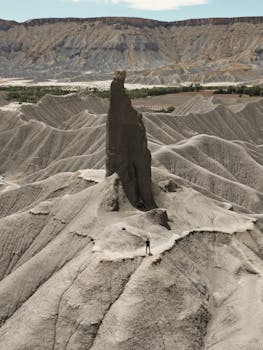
201 50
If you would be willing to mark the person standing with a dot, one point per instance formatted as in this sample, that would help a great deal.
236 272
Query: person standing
148 246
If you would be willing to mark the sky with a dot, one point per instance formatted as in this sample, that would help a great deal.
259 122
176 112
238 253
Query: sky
166 10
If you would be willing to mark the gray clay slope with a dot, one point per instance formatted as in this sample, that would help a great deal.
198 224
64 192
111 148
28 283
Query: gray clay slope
73 270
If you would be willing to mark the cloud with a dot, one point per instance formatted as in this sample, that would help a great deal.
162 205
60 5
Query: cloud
152 5
159 5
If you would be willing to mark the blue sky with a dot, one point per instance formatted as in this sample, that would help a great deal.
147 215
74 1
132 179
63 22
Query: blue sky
168 10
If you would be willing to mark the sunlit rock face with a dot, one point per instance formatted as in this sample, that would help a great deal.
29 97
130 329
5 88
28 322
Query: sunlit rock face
126 147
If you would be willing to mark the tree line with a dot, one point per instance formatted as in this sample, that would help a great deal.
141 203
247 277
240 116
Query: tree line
33 94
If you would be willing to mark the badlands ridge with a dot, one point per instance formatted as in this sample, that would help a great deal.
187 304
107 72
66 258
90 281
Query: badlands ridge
74 274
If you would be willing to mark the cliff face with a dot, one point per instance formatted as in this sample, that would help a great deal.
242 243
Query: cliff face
168 49
5 25
140 22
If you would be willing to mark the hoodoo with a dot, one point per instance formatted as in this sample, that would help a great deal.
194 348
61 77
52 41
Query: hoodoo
126 147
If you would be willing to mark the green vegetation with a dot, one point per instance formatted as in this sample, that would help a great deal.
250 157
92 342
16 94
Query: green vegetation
241 90
155 91
33 94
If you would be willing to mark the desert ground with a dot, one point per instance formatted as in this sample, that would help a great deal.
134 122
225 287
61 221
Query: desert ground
179 99
74 273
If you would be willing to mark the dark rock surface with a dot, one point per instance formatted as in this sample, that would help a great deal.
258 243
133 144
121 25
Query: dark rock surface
158 217
126 147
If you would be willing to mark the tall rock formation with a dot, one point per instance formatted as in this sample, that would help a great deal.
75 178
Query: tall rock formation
126 147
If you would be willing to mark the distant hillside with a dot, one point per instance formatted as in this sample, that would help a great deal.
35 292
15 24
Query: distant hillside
200 50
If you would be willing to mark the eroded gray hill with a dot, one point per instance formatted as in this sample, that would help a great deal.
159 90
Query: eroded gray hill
73 270
219 151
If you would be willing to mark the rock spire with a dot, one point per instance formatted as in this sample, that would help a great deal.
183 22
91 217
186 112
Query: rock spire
126 147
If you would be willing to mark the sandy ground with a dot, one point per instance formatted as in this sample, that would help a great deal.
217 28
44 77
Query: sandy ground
165 101
103 85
